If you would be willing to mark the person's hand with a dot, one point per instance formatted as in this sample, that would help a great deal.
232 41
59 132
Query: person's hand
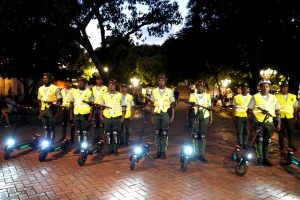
171 119
278 128
122 120
210 121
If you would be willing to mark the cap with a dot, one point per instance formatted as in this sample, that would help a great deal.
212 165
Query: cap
83 79
264 81
244 85
284 84
161 76
199 82
113 81
124 85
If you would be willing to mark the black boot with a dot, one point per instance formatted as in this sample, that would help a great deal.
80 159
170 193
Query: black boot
202 158
267 162
158 155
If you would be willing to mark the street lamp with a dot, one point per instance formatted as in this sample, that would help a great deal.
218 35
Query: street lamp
225 82
268 73
105 69
135 81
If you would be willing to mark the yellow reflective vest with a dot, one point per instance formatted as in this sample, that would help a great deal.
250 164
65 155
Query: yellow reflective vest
162 102
268 105
47 94
287 106
80 107
114 102
205 101
128 98
241 105
67 96
98 93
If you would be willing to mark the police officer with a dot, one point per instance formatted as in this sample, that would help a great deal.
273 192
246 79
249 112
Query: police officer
268 102
98 90
239 115
163 99
201 102
126 126
112 116
288 111
67 93
81 99
48 96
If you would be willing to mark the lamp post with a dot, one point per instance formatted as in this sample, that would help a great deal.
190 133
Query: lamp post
268 73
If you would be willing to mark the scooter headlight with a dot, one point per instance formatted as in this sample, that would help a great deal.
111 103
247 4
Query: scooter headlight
249 156
10 142
45 144
84 145
188 150
138 150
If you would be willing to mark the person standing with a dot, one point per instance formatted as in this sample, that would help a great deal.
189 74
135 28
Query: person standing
112 116
201 102
163 99
126 125
268 102
288 111
49 96
239 115
67 93
98 91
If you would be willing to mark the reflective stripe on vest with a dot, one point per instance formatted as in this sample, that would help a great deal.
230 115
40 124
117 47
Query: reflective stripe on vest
66 96
204 101
98 93
128 99
79 106
162 102
268 105
113 101
287 106
241 105
47 95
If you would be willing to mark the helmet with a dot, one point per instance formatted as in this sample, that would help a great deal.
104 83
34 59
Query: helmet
284 84
83 79
199 82
244 85
161 76
264 81
113 81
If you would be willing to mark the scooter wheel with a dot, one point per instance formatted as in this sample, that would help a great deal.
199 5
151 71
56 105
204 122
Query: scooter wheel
133 163
43 156
7 154
81 158
184 165
241 169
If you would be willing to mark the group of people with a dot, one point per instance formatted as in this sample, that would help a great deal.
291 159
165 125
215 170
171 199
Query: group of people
111 112
108 109
249 113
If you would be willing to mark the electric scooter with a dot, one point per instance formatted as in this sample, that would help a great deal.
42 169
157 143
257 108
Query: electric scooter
138 152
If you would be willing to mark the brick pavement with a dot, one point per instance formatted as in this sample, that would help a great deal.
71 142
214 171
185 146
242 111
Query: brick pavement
24 177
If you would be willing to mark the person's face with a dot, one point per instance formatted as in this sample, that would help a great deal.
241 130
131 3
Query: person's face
264 88
46 80
111 87
124 90
200 88
99 82
161 82
244 90
81 85
284 89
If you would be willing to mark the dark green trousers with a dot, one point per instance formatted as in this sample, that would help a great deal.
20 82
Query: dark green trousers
98 126
125 131
199 134
242 134
48 121
264 140
65 121
112 128
161 125
287 128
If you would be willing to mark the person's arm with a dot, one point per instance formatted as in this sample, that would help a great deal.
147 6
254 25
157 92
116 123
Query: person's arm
278 119
233 110
172 100
58 96
91 100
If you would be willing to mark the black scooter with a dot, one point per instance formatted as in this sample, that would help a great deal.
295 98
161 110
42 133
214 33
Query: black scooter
186 155
85 150
139 152
48 147
243 160
11 144
292 159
